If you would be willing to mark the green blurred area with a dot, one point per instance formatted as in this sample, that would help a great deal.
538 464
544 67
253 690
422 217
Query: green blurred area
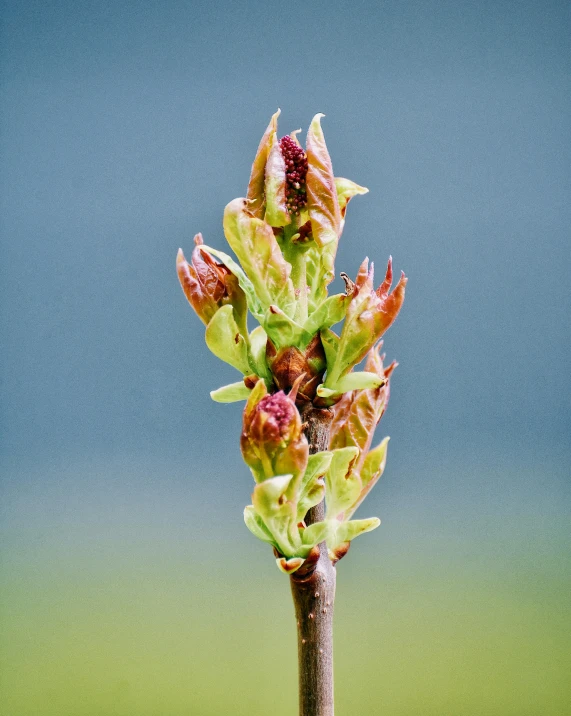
167 639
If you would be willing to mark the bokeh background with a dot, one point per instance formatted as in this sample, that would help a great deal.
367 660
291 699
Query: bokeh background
130 586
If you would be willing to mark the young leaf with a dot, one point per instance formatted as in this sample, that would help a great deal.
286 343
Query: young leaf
346 190
352 381
257 249
278 513
322 201
349 530
312 489
314 534
256 190
223 338
258 363
372 469
342 484
276 210
327 314
254 303
256 526
231 393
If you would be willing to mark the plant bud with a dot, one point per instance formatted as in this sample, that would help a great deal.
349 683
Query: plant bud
289 364
209 285
272 442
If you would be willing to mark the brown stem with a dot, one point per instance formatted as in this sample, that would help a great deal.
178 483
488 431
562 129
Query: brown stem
313 591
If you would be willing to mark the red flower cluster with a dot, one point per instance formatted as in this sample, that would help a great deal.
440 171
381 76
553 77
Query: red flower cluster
296 171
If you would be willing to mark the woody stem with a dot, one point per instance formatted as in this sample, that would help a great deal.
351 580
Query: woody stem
313 591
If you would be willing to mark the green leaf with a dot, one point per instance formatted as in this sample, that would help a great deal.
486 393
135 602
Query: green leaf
312 489
317 270
258 251
278 513
315 533
254 303
330 342
361 380
230 393
342 485
258 363
371 471
327 314
346 190
283 330
276 210
349 530
256 525
223 338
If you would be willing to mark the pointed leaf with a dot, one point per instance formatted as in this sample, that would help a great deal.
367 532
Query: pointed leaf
224 340
231 393
346 190
276 210
327 314
322 201
352 381
330 342
256 190
258 340
349 530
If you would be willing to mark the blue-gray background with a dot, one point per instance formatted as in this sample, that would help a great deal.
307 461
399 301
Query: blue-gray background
125 129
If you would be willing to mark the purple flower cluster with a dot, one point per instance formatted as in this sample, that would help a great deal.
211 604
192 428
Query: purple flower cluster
296 171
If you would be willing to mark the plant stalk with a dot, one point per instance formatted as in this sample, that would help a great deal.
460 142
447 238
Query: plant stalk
313 591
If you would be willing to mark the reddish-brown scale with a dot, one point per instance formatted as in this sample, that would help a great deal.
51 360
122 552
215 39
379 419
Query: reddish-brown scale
296 170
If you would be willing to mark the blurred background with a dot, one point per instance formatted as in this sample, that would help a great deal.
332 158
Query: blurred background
129 584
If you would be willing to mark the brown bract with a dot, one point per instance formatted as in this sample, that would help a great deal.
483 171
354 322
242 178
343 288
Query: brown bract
289 365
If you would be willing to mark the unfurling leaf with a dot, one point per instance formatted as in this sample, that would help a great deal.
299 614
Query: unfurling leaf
370 472
208 285
255 245
278 513
256 526
312 488
369 315
342 484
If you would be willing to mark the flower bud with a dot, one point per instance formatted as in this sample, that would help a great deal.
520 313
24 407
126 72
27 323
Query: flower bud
209 285
272 441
